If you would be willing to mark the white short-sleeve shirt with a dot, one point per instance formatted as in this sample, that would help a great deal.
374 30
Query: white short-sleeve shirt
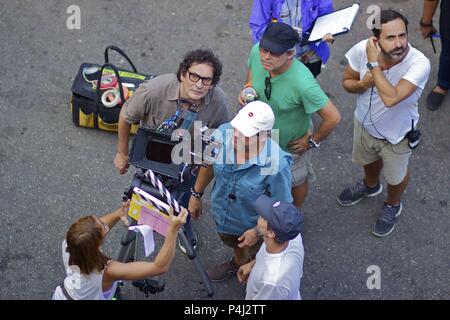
391 123
277 276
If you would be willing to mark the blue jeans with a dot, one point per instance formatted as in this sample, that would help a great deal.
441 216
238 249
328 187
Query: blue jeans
444 65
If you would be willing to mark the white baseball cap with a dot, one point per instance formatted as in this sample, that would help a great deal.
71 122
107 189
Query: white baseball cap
255 117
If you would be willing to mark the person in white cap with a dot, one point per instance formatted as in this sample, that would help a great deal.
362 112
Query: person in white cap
276 271
250 164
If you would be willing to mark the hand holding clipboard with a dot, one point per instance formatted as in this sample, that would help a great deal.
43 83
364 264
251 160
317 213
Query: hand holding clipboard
334 23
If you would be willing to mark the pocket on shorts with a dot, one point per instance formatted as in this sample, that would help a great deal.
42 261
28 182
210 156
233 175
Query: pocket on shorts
302 170
395 162
401 148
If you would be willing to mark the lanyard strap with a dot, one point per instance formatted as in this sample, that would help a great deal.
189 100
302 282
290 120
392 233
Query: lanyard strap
296 14
64 291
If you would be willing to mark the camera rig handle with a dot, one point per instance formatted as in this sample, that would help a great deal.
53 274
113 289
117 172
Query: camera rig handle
149 286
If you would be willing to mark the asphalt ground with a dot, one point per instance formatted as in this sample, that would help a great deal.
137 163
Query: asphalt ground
52 172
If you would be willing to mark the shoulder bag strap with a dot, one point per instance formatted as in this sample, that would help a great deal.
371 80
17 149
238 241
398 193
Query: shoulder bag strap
64 291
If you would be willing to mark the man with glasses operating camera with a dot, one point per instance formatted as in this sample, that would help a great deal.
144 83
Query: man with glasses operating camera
194 87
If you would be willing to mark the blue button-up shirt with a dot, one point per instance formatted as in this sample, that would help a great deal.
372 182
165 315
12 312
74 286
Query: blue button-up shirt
237 187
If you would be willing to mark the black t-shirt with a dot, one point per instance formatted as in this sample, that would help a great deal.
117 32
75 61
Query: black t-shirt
444 20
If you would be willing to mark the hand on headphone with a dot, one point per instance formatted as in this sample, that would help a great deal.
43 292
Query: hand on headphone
373 49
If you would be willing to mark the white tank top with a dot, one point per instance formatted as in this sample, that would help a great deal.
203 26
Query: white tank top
81 286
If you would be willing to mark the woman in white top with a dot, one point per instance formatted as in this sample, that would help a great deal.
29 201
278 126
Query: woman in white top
91 275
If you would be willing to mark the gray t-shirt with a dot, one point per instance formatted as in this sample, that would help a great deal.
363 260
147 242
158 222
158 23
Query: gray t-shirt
156 101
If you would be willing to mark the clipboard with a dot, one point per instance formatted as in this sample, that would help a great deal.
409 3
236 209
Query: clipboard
336 22
148 210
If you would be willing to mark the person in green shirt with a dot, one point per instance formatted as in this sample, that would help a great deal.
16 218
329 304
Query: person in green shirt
294 95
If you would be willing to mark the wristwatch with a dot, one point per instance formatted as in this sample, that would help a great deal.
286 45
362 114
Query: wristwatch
312 144
371 65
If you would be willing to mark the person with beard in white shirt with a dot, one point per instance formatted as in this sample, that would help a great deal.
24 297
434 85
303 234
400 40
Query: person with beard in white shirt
388 76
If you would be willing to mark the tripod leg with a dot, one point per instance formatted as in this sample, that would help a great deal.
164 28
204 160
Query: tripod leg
126 254
139 255
187 244
127 249
192 256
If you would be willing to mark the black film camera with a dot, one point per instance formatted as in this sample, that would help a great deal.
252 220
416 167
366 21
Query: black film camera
152 150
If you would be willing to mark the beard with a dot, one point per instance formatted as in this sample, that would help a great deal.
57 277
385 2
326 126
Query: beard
396 54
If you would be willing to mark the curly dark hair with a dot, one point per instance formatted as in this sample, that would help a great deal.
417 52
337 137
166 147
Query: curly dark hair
201 56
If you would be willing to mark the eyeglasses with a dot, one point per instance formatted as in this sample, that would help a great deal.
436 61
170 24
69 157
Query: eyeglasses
105 226
267 88
195 77
272 54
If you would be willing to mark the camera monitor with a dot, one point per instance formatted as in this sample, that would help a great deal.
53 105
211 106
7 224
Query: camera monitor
152 150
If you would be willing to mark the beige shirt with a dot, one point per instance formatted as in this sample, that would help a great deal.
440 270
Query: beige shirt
156 101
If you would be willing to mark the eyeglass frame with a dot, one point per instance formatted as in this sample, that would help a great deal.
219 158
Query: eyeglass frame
267 87
190 74
105 227
272 54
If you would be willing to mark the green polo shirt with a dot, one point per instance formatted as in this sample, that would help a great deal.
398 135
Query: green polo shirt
295 95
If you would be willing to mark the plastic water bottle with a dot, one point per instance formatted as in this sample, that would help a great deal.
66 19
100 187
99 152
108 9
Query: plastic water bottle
249 94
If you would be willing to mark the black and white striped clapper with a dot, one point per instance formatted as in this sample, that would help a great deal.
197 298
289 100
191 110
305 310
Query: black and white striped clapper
163 191
153 201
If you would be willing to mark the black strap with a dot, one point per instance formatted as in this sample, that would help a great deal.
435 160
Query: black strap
64 291
97 94
122 53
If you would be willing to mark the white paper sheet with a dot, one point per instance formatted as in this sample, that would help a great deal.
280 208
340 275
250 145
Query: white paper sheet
147 233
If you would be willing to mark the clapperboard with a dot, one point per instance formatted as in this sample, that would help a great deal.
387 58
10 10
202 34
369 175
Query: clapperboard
148 210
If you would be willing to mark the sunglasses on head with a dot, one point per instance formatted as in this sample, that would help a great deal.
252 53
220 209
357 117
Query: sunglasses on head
267 87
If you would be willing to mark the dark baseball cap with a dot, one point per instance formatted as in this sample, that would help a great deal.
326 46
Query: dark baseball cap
284 218
279 37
